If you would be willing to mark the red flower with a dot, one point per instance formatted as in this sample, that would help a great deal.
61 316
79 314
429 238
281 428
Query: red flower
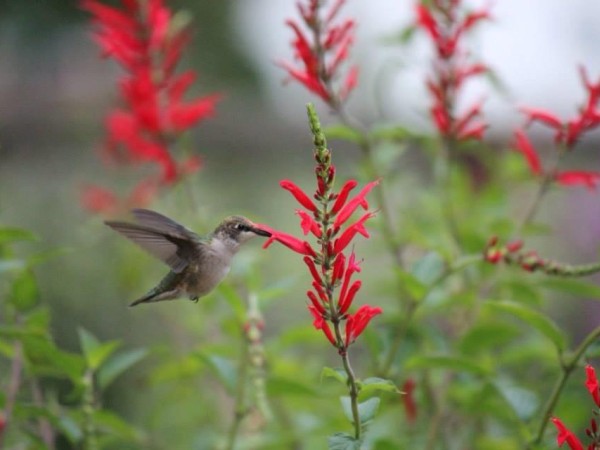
357 227
591 383
322 54
565 435
358 321
291 242
346 211
523 145
578 178
445 27
99 200
321 324
329 268
542 116
408 399
298 194
145 40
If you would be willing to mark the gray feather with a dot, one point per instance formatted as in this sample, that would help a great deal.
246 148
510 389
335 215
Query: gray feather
173 248
158 222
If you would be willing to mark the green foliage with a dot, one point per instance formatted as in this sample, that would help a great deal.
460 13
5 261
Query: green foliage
469 353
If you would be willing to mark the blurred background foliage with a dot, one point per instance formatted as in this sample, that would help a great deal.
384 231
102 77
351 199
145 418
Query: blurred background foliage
55 91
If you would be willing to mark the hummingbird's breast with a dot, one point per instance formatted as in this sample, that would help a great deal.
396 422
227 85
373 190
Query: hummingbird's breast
206 273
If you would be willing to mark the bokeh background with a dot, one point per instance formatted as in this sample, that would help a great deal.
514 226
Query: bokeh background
55 91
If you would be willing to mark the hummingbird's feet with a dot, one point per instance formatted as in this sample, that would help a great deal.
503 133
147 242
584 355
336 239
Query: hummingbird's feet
194 299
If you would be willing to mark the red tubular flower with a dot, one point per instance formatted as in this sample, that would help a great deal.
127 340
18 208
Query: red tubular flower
143 37
321 324
326 220
308 224
408 399
542 116
358 321
343 195
349 208
445 26
290 242
566 435
313 269
99 200
578 178
338 268
298 194
316 303
523 145
323 53
347 236
591 383
345 302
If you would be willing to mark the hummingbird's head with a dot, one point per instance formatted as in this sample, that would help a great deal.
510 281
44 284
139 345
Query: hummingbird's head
238 229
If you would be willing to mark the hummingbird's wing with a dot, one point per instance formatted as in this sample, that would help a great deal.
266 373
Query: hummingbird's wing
167 240
157 221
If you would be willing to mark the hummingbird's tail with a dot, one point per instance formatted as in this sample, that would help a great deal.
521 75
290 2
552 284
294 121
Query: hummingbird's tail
156 295
145 299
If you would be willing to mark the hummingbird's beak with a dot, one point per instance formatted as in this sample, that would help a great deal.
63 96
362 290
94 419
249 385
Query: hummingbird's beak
261 230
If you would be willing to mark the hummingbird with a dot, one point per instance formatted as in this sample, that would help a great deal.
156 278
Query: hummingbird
198 263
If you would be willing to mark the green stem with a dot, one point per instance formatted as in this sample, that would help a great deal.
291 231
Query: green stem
240 408
90 441
567 369
351 381
535 205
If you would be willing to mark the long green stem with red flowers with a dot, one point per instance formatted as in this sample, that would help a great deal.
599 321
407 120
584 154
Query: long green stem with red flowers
323 157
568 365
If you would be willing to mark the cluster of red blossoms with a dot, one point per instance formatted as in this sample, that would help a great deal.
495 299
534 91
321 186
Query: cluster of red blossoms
322 51
445 23
566 135
326 219
567 436
143 38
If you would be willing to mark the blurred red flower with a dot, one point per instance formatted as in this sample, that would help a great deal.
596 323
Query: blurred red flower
322 50
143 38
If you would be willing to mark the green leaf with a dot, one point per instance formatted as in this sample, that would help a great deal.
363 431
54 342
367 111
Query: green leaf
336 374
524 402
344 133
483 336
235 301
366 409
223 368
118 364
392 133
577 288
112 424
277 386
95 352
343 441
24 291
456 363
533 318
16 234
429 268
47 359
411 284
374 384
70 428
